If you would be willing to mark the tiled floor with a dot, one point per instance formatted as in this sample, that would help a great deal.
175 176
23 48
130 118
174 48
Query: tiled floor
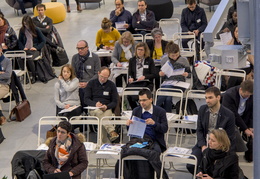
77 26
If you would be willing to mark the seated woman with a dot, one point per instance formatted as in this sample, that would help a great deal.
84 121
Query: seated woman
123 51
141 71
157 50
176 62
66 92
8 38
32 41
217 161
229 25
5 79
235 81
66 153
106 38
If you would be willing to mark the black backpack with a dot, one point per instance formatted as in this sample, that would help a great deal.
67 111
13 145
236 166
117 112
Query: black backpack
191 107
44 71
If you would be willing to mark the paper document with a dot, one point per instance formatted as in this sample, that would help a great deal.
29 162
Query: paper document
137 128
178 151
225 37
110 148
168 70
92 107
176 83
120 25
192 118
90 146
69 109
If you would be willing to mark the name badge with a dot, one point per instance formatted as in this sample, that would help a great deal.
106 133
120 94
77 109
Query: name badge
88 67
105 93
111 41
198 21
145 66
44 23
6 34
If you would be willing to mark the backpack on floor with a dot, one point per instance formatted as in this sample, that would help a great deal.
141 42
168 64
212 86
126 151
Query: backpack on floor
44 71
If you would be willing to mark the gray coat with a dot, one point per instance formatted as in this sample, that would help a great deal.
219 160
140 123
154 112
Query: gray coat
118 50
6 64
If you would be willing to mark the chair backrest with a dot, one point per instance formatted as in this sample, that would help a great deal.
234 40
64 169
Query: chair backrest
198 96
16 54
48 120
191 51
230 72
169 27
177 158
113 120
176 94
86 120
131 91
149 36
138 37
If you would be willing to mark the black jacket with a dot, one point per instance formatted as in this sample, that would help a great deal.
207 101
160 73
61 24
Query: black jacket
149 24
224 168
151 46
231 100
226 121
193 20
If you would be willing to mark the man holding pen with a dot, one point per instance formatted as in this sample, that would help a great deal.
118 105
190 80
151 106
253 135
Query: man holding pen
102 94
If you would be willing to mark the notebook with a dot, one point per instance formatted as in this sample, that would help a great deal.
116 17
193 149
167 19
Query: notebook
61 175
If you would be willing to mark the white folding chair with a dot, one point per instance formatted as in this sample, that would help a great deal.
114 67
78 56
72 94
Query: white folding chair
48 120
21 72
198 96
9 94
178 158
149 36
86 120
169 27
138 37
229 73
191 51
131 91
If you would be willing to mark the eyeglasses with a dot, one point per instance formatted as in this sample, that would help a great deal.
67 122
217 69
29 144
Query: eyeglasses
81 48
142 100
62 132
118 4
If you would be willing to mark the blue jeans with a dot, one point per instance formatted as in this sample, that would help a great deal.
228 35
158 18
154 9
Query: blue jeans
165 101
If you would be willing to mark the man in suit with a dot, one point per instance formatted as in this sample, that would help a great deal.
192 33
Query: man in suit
239 100
155 118
213 115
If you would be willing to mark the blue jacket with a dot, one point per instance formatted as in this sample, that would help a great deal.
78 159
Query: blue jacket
149 24
161 124
193 20
124 16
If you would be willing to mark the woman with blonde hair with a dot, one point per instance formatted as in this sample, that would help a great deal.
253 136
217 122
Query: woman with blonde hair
218 161
123 52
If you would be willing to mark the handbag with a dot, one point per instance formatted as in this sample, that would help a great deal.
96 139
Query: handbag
21 111
52 132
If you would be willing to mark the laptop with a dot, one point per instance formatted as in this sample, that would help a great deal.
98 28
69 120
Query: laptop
60 175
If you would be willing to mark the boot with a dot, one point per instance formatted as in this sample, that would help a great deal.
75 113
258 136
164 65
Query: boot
79 8
33 78
68 9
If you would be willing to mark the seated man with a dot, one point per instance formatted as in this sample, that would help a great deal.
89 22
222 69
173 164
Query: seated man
5 79
143 18
86 65
157 126
239 100
212 116
21 3
120 14
193 19
102 93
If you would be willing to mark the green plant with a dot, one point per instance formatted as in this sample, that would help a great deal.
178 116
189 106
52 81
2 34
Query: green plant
4 177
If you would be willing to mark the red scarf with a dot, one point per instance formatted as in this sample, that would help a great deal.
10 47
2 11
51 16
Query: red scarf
2 33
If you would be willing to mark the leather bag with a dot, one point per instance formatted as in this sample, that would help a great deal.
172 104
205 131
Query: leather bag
52 132
21 111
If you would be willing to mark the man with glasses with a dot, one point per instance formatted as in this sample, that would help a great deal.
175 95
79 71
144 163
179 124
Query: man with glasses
102 93
86 65
120 15
143 19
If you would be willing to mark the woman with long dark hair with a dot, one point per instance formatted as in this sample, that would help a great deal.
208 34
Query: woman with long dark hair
32 41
